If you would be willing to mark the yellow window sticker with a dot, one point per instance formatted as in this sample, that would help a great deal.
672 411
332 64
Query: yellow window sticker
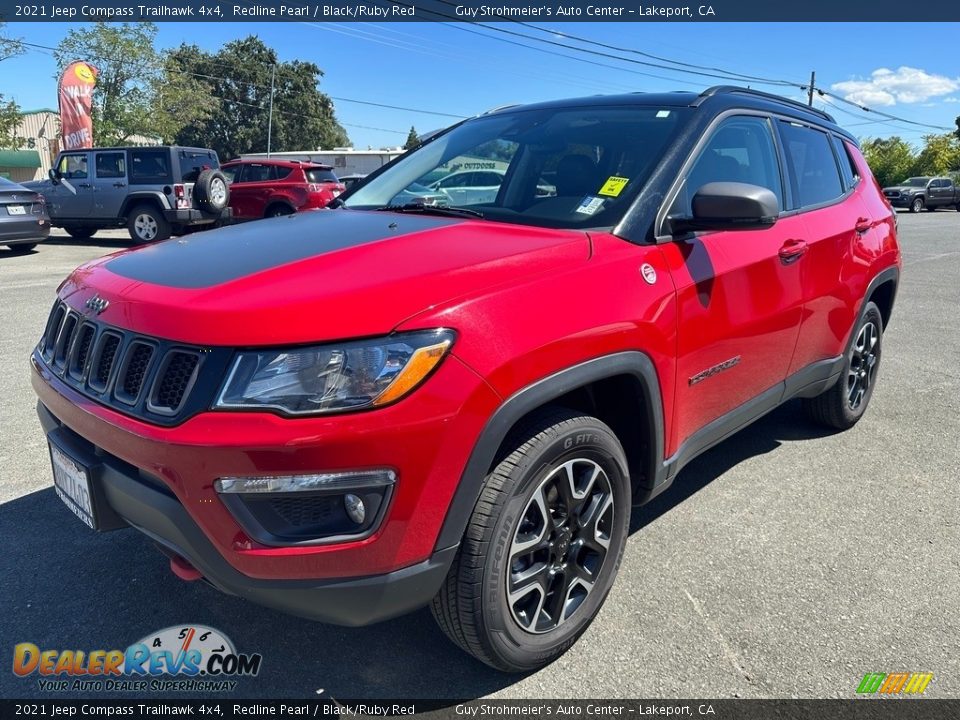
613 186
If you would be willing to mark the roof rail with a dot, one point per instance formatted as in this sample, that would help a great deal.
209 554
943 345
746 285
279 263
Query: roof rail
735 89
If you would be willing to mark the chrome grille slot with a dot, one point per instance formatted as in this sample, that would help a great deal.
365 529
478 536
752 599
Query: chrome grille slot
64 337
133 371
102 363
81 350
174 381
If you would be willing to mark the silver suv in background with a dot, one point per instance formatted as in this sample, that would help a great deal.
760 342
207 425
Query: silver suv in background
154 191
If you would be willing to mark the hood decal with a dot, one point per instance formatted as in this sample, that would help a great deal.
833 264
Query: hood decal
213 258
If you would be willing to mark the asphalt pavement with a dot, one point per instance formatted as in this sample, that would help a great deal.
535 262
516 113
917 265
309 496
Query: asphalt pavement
786 562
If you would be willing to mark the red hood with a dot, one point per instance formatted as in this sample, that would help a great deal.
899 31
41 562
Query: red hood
313 277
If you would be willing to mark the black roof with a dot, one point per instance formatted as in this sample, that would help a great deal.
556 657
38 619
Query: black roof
717 98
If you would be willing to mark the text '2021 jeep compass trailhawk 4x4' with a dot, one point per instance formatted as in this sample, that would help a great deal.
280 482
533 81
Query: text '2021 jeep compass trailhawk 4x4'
357 412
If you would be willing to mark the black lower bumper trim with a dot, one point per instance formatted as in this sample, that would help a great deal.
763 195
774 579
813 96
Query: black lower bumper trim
352 601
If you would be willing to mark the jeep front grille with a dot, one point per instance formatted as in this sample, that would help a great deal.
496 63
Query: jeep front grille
149 378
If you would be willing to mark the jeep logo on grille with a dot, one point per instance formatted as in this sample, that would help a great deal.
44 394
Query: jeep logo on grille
97 304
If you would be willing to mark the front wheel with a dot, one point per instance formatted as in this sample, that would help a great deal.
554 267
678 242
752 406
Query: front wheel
917 205
844 404
543 545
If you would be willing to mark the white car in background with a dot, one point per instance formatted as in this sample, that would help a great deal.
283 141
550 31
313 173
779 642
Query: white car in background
470 187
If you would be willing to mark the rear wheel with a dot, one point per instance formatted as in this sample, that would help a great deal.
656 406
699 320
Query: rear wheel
79 232
844 404
147 224
279 211
917 205
543 545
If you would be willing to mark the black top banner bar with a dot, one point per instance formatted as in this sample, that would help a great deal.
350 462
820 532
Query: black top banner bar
860 11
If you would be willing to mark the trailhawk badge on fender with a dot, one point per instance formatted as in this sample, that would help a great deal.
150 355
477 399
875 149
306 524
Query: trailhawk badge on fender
649 274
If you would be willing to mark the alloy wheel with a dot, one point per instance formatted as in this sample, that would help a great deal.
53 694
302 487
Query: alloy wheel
560 545
863 364
218 192
145 226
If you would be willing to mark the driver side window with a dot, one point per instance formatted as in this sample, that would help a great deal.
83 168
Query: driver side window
742 150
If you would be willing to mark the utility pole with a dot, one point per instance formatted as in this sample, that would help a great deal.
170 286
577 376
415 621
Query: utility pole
813 79
273 77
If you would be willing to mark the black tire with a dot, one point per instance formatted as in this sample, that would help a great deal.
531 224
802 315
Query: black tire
917 205
80 232
147 224
211 192
472 607
278 210
843 404
21 248
958 207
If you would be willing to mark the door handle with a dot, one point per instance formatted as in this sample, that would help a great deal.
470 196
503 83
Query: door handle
792 250
84 185
119 184
862 226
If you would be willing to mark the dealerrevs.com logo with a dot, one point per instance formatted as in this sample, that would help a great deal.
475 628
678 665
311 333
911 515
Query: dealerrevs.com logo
189 658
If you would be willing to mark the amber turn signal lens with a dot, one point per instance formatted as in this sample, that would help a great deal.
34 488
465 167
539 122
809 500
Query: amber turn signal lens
421 363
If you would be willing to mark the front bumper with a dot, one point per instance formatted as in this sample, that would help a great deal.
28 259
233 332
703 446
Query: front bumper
901 201
135 499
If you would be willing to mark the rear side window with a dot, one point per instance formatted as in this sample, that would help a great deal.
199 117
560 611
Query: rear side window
948 184
848 169
259 173
741 150
149 167
320 175
111 165
814 172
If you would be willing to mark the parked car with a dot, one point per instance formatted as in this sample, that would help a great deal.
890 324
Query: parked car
918 193
417 193
349 181
154 191
271 188
356 413
24 220
470 187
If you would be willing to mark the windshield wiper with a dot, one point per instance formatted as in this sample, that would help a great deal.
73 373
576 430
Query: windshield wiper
431 210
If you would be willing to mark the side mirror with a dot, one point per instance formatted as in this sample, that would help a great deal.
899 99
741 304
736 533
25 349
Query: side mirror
729 206
54 176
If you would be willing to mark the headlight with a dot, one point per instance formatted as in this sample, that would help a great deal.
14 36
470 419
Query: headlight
333 378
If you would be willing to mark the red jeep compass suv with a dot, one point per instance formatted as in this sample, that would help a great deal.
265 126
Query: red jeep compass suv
351 414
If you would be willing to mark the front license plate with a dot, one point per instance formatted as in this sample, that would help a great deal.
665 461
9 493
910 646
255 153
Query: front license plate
16 210
71 480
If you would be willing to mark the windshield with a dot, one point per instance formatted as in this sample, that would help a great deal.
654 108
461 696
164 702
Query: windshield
916 182
577 167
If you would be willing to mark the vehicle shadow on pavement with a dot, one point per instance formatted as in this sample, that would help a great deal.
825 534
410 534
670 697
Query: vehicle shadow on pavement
105 242
786 423
65 587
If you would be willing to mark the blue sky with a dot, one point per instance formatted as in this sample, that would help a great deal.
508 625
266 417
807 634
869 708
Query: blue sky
464 69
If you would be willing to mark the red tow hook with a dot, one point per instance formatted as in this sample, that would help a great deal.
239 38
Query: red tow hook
184 570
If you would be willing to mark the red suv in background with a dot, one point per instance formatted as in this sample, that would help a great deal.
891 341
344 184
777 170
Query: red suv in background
458 405
270 188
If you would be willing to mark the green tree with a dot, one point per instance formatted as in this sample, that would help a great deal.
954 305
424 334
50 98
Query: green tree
940 155
137 92
9 110
412 139
238 78
891 159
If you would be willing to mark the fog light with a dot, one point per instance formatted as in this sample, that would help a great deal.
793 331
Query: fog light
355 508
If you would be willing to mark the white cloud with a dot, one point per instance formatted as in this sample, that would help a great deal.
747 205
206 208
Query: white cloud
903 85
951 100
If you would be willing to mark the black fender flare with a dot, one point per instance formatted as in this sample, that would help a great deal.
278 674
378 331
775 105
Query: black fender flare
134 199
884 276
535 395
